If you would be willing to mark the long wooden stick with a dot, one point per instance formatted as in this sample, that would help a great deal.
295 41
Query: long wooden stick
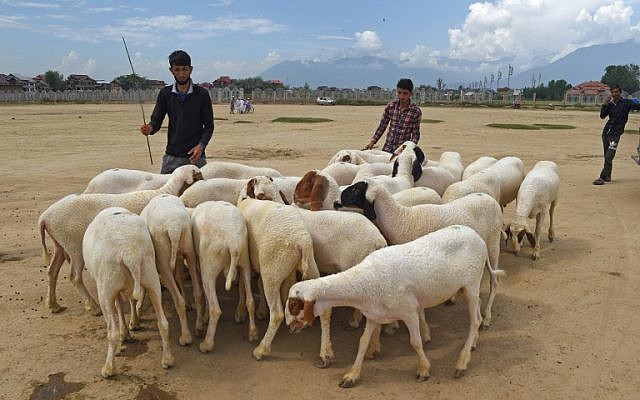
144 119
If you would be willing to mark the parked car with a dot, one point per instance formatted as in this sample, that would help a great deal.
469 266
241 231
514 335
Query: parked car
325 101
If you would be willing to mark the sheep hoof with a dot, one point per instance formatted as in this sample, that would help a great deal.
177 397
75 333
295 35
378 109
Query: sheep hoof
96 312
459 373
535 256
486 324
205 347
347 383
107 372
167 361
372 355
185 339
258 353
56 309
253 335
422 377
322 362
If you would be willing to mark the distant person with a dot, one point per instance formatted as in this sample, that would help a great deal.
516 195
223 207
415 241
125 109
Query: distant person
404 117
190 117
617 109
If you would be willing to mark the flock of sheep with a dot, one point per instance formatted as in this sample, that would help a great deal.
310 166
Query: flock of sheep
391 235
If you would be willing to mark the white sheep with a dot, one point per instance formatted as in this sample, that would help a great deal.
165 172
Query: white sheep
342 172
225 169
67 219
401 224
360 156
510 172
370 170
436 178
485 181
287 185
119 255
316 190
417 195
220 237
397 283
478 165
215 189
170 226
452 162
407 168
120 180
280 245
434 175
538 195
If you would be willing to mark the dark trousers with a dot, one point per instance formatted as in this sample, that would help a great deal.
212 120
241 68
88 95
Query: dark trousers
170 163
609 147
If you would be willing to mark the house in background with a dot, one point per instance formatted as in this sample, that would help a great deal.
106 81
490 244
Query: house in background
591 92
28 84
10 84
156 84
81 82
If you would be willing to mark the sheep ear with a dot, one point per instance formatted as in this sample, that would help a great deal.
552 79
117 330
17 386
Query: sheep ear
284 199
369 210
395 168
531 238
420 154
309 316
270 178
416 171
295 305
346 158
521 235
318 192
251 187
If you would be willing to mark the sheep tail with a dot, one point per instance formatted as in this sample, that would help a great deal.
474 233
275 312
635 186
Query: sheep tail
45 252
234 255
308 265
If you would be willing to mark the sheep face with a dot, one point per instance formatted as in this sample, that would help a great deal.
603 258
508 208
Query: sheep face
189 174
298 314
311 191
516 232
416 167
356 196
262 188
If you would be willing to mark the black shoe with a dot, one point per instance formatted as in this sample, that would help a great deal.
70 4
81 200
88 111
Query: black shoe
636 158
607 179
599 181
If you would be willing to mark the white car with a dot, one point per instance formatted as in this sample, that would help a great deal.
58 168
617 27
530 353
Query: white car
325 101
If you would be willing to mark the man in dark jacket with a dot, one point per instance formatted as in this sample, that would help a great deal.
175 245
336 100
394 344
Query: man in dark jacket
190 117
617 109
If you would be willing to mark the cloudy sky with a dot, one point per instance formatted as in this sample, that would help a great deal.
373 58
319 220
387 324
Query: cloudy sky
244 37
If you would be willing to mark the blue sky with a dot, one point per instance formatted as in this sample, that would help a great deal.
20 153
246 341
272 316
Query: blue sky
243 38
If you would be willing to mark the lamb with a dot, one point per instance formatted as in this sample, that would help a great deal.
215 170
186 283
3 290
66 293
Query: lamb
67 219
397 283
119 254
510 172
407 169
316 191
436 177
342 172
119 180
417 195
216 189
485 181
220 237
280 245
401 224
224 169
477 166
537 195
452 162
170 226
359 157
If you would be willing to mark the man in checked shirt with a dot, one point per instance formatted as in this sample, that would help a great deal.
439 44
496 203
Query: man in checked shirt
404 117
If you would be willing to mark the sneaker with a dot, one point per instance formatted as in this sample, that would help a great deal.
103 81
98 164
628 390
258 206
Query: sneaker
599 181
636 158
607 179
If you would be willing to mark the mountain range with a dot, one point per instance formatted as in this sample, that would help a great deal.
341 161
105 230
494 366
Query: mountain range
583 64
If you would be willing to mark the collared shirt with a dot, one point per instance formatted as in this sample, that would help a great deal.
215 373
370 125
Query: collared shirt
190 120
405 125
618 114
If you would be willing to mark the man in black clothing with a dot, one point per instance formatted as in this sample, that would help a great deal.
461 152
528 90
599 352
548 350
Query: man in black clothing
618 110
190 117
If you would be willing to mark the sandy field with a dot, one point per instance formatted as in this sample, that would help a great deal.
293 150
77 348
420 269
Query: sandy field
564 327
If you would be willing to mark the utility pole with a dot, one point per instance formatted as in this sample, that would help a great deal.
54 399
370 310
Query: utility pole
509 76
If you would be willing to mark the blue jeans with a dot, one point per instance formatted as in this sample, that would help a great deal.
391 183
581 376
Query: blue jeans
170 163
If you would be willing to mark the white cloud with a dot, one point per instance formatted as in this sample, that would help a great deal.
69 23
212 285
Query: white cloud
222 3
237 69
29 4
73 63
420 56
527 32
12 22
367 42
99 10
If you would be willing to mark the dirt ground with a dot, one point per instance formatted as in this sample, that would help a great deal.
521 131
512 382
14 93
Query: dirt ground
565 327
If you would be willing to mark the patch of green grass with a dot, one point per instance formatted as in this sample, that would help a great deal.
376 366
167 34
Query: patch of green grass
515 126
431 121
631 131
243 122
554 126
301 120
220 119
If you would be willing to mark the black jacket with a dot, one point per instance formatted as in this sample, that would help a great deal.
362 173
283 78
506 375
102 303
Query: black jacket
618 116
190 121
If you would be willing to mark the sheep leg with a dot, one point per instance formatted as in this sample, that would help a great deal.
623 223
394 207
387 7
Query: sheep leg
179 302
136 310
276 315
551 211
192 264
373 351
473 301
263 310
251 305
537 235
241 309
107 303
413 325
326 349
209 283
354 322
425 331
125 335
286 285
54 268
77 265
179 278
351 378
163 324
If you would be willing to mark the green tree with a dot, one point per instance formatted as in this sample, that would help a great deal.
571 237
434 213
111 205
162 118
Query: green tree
627 76
128 82
55 80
